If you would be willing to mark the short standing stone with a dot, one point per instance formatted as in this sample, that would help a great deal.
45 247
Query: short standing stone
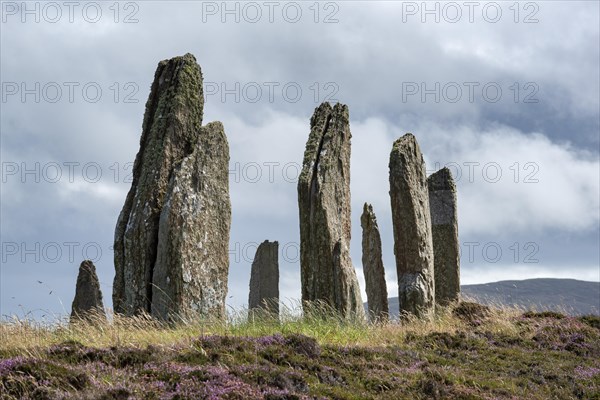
444 229
326 269
88 297
372 261
411 220
264 278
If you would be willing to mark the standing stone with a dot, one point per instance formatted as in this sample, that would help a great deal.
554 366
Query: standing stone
172 234
327 273
372 261
88 297
192 262
171 122
444 229
411 220
264 278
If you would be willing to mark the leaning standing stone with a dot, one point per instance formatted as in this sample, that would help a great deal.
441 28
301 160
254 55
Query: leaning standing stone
444 229
88 297
327 273
411 220
264 279
372 261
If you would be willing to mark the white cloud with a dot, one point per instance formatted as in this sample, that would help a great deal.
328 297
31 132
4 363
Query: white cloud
510 182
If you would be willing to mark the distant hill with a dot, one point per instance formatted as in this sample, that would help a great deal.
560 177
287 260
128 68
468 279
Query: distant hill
565 295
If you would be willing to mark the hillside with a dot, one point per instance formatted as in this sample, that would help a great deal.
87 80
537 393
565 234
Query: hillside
563 295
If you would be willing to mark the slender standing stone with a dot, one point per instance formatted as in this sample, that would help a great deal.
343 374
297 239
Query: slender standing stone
411 219
88 296
327 273
192 262
444 229
264 278
372 261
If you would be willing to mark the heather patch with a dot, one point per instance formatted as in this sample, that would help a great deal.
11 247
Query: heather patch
534 356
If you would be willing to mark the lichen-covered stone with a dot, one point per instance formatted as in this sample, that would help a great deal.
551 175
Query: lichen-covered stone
377 296
88 296
171 122
264 278
411 219
327 273
192 262
444 229
171 240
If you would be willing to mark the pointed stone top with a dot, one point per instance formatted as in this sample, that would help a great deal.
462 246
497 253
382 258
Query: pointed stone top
406 140
187 57
441 180
88 266
368 217
176 93
325 110
405 152
367 214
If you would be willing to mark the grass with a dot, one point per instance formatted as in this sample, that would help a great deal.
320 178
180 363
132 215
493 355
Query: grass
464 351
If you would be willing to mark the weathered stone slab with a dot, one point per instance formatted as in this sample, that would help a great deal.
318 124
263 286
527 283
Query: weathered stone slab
372 261
264 279
88 296
192 262
327 273
444 229
411 219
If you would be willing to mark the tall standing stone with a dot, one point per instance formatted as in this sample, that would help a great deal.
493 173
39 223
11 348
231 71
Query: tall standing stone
88 296
444 229
327 273
372 261
264 278
411 220
180 168
192 262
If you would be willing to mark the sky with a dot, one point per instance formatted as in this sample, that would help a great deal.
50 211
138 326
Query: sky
506 94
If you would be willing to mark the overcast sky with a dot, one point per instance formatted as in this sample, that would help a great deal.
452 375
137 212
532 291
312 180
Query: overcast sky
506 94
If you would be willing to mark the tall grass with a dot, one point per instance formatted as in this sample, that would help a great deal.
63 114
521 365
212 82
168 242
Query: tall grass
26 337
